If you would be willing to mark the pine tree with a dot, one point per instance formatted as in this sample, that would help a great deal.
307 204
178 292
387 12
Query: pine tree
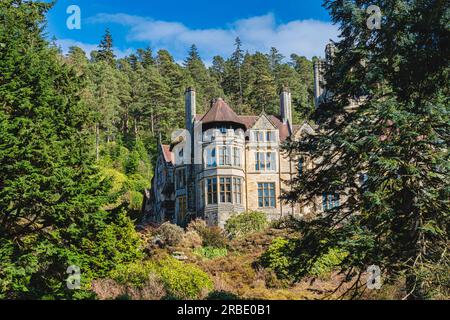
388 157
105 49
206 86
233 83
51 194
217 69
260 89
275 59
146 57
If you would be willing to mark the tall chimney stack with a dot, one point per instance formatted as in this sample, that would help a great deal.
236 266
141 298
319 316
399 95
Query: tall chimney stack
190 108
286 107
318 81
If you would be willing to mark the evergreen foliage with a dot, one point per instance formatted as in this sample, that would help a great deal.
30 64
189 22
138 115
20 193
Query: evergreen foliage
52 198
388 157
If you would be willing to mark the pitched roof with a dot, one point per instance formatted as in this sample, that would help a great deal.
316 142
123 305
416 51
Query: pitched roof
168 155
249 121
220 112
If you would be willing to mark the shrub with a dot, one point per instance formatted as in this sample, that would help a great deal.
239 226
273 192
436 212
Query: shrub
197 225
211 236
181 280
210 252
280 258
328 262
244 223
214 237
170 234
192 240
277 257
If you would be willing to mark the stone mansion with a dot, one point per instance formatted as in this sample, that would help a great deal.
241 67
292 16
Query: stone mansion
224 163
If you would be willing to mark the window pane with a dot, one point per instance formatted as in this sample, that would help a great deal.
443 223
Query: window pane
257 161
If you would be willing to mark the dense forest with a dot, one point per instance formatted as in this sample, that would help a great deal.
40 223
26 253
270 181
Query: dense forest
78 137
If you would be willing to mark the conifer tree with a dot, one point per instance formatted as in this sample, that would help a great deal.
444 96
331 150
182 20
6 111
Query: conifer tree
233 83
105 49
51 195
386 156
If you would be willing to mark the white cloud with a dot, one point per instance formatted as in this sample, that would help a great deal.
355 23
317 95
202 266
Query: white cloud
65 45
303 37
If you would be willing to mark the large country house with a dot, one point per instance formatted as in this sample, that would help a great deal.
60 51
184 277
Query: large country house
224 163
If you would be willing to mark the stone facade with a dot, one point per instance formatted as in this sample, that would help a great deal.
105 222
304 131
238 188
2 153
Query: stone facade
224 163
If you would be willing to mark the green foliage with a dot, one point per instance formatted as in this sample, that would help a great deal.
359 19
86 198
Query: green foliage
181 280
240 225
211 252
52 198
397 136
134 274
281 257
328 262
278 257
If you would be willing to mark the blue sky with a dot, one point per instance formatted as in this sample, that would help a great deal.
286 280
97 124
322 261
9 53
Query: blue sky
293 26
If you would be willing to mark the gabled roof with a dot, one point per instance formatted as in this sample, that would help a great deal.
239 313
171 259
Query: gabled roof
220 112
168 155
249 122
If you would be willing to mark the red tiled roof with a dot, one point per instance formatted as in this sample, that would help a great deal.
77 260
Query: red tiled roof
220 112
168 155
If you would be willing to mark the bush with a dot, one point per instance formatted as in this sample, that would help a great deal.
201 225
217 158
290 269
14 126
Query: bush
278 257
328 262
181 280
210 252
170 234
244 223
211 236
197 225
214 237
192 240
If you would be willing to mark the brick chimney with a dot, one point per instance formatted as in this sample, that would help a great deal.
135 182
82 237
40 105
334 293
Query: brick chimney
286 106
